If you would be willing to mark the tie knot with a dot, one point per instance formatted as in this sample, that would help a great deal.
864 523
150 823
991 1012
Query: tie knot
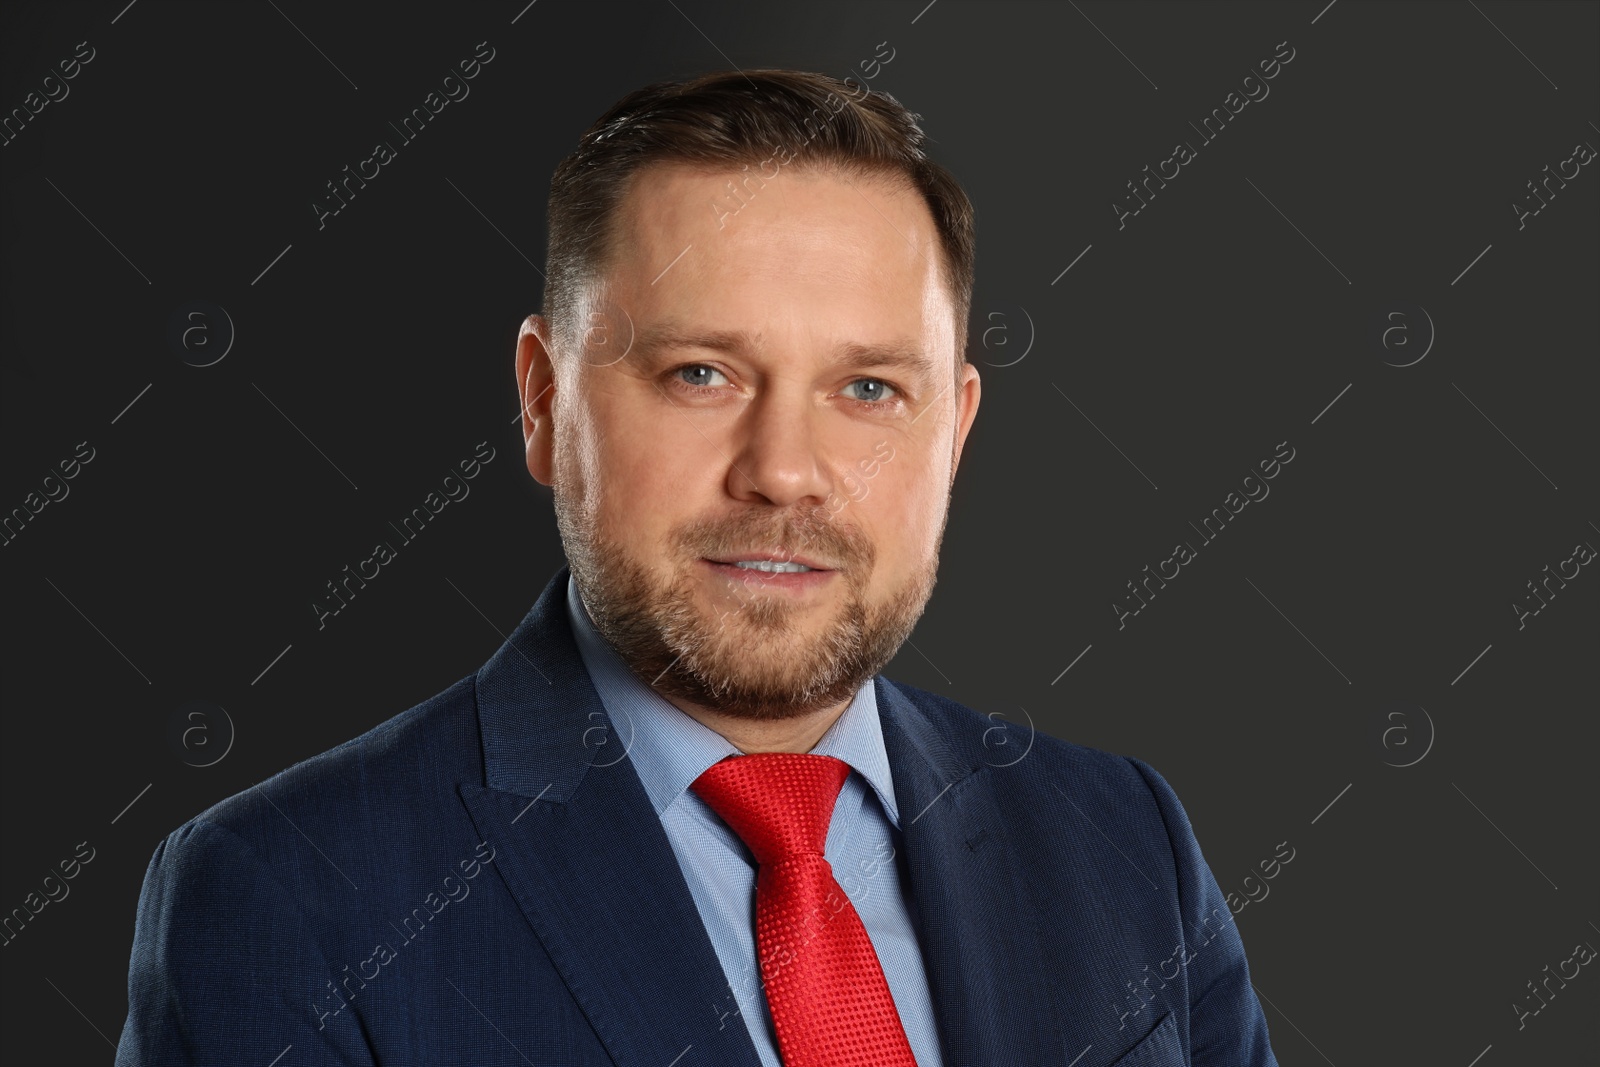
779 803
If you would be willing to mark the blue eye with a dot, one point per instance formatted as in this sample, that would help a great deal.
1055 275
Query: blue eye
874 394
698 370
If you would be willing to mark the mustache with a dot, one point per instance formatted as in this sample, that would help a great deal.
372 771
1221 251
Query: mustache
813 532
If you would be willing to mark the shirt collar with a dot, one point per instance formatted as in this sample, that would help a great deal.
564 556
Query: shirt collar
669 749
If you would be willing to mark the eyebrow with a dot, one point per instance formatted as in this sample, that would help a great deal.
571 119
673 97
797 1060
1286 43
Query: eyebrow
900 354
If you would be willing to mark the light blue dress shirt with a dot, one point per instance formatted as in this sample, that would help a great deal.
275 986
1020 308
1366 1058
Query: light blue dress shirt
669 749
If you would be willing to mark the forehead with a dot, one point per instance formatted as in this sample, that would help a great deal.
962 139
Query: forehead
812 247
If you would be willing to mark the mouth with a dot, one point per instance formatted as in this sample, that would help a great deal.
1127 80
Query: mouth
770 563
771 571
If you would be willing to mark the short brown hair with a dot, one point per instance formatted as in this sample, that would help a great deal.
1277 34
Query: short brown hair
743 117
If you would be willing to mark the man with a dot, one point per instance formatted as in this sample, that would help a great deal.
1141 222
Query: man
679 817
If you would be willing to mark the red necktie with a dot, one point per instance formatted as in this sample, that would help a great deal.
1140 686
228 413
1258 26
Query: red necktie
830 1002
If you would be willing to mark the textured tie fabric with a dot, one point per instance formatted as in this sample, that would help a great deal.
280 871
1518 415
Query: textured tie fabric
831 1005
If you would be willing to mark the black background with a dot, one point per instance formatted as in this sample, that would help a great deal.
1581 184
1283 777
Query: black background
1378 577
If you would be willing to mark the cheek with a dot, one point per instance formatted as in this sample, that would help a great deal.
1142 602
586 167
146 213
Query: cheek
628 488
901 509
649 478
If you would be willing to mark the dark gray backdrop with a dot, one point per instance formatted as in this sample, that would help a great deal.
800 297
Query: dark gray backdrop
1342 669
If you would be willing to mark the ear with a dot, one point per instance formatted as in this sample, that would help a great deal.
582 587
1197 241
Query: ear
536 385
967 394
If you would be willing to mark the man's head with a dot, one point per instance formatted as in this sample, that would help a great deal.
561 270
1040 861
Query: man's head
753 347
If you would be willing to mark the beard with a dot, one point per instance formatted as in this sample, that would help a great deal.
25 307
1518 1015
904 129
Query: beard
751 657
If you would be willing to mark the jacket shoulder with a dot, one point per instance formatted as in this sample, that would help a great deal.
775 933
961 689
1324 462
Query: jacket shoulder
367 783
1009 741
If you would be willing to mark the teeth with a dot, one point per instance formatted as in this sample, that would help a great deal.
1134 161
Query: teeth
772 567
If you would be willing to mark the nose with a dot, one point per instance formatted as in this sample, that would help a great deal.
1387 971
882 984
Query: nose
775 459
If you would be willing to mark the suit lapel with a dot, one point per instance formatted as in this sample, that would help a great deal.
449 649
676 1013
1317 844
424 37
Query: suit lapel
585 856
975 919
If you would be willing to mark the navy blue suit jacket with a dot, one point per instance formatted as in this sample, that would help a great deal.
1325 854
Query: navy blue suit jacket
482 880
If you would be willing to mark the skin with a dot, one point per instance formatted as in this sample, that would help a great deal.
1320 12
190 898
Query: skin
662 456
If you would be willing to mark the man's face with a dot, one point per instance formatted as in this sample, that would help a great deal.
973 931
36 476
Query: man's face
773 381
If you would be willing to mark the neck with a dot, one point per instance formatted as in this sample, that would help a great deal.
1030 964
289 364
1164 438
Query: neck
798 734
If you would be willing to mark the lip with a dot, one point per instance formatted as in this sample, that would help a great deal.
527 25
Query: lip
769 557
803 582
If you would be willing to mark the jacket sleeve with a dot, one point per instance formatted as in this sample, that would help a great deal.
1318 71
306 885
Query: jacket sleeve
1226 1024
225 969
